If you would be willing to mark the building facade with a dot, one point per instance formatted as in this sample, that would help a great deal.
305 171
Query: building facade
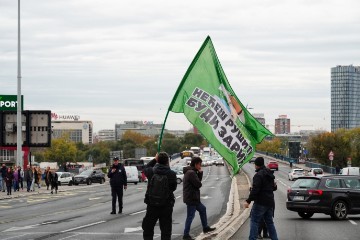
79 131
260 117
282 125
147 128
345 97
106 135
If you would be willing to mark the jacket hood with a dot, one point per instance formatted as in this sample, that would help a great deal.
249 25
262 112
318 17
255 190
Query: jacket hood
161 169
267 172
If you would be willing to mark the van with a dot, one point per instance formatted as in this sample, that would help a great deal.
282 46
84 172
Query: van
350 171
132 174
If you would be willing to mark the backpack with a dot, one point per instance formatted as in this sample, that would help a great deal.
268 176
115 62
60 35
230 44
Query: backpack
158 191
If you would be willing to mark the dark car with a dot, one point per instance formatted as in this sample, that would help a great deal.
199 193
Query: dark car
334 195
89 176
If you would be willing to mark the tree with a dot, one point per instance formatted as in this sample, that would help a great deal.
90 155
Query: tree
137 138
192 139
62 150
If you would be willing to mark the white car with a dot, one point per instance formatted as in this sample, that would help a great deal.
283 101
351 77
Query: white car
65 178
319 172
132 174
187 160
296 173
179 175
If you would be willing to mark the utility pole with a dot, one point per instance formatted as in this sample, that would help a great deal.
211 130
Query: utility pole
19 159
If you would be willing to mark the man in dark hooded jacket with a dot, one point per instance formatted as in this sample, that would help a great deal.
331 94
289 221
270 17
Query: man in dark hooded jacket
191 197
118 182
163 213
262 193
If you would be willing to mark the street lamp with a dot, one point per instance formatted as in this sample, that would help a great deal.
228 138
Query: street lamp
19 160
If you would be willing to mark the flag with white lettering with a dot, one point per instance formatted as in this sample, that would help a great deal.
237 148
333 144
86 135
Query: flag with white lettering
210 104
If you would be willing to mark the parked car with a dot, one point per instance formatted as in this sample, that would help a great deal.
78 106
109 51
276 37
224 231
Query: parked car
179 174
220 161
334 195
89 176
132 174
65 178
273 165
296 173
316 172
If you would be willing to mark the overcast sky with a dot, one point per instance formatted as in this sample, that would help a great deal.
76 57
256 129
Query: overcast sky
112 61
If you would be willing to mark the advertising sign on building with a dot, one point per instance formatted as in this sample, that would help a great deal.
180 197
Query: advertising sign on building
9 102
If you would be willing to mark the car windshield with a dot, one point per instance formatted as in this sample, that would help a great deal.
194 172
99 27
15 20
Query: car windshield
305 183
299 171
318 171
86 173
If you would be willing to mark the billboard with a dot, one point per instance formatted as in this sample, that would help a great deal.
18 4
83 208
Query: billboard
9 102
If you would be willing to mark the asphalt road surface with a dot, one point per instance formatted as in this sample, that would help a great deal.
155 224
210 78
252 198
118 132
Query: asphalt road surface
290 226
84 213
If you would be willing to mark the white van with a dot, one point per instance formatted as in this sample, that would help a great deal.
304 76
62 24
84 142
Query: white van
132 174
350 171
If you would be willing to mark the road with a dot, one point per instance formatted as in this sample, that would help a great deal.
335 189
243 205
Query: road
84 213
290 226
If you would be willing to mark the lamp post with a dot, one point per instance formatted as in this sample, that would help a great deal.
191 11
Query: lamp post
19 159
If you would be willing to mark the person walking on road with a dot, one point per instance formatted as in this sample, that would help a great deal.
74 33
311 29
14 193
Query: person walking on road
191 197
3 171
38 176
16 179
118 182
28 176
47 177
262 193
53 181
159 197
9 177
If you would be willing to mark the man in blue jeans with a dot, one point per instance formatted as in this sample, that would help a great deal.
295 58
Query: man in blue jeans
191 197
262 193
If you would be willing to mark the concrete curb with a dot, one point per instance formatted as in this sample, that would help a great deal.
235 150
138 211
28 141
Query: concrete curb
235 215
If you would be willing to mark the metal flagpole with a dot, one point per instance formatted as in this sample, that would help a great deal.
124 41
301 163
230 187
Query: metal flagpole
19 160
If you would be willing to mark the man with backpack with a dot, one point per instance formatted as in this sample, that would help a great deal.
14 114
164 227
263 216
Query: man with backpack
191 197
159 197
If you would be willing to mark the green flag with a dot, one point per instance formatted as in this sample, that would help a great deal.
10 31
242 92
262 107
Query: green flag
209 103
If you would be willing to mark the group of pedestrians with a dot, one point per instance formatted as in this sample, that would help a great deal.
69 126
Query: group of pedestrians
159 196
15 177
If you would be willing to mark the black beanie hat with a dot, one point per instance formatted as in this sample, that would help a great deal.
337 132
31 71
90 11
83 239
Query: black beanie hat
259 161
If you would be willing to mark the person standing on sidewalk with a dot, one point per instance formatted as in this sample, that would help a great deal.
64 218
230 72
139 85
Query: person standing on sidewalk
16 179
3 171
47 177
53 181
9 177
191 197
28 176
118 182
21 178
262 193
159 197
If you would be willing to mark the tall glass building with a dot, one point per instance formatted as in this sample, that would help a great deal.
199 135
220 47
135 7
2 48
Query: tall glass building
345 97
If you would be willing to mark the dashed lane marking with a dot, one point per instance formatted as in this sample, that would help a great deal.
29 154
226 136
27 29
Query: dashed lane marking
84 226
352 222
132 214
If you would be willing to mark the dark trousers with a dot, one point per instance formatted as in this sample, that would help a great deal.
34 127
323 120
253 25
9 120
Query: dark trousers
117 193
164 215
54 185
47 183
8 188
191 210
28 185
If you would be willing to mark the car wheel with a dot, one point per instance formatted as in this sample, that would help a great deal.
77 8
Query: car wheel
70 183
59 183
135 183
339 210
76 184
89 182
178 181
277 169
305 215
102 181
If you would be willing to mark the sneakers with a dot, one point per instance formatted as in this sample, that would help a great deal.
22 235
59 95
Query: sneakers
208 229
120 212
259 237
188 237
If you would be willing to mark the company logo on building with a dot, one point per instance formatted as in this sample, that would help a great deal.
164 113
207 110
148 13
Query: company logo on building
55 116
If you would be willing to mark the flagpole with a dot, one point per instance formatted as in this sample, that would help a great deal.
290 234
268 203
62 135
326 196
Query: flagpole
162 131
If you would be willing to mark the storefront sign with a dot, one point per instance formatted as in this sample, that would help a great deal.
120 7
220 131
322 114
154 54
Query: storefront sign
9 102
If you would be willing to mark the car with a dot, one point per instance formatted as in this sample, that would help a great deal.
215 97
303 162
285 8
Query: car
316 172
220 161
89 176
296 173
132 174
350 171
187 160
334 195
273 165
179 175
65 178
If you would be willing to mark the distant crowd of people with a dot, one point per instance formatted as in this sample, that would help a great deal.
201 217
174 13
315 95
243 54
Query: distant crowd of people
14 177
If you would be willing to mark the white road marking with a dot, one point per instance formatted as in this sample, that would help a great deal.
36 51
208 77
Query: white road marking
15 236
129 230
178 197
84 226
132 214
352 222
206 197
69 236
95 198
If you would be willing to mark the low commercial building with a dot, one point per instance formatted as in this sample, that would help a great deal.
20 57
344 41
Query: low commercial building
78 131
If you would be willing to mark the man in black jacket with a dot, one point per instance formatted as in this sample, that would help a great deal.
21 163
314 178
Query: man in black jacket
262 193
191 197
118 182
157 168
